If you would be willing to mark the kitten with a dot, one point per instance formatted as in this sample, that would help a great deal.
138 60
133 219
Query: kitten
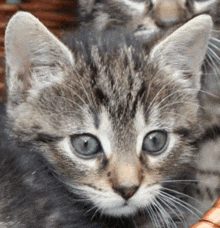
104 135
148 15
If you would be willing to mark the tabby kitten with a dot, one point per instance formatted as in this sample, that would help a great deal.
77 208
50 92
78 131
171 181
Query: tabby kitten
105 133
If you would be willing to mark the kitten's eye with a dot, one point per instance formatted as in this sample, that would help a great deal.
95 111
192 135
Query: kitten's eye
154 142
86 145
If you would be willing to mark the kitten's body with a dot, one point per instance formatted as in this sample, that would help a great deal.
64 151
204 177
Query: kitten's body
134 102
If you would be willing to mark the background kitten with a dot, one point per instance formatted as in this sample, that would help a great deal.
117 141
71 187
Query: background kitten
148 18
142 14
114 124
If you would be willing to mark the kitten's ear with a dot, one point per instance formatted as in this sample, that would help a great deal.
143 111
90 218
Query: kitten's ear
30 45
184 50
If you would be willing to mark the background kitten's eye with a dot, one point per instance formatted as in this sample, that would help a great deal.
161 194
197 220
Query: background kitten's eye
154 142
86 145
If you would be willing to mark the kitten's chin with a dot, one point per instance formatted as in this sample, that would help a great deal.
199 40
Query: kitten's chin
120 211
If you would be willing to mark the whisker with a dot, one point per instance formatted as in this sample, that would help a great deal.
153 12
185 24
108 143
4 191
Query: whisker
216 57
152 216
96 211
167 204
183 181
178 114
177 102
167 216
180 216
209 59
181 194
157 94
77 95
214 38
180 102
162 218
212 64
184 204
92 208
214 46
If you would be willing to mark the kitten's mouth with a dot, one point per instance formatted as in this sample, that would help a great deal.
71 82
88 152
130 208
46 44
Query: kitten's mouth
125 204
124 210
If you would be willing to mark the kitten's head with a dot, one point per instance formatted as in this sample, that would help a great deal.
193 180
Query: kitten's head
115 117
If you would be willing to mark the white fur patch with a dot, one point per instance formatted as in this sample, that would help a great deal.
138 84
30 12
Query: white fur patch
110 203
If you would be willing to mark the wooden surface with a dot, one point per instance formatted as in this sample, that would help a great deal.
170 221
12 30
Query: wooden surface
211 219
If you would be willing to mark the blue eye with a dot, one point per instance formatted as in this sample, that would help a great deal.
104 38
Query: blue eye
86 145
154 142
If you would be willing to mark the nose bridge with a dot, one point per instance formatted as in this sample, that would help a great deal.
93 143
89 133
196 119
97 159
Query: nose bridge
126 172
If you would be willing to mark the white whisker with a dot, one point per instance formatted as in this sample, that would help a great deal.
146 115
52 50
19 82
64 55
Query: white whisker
212 64
166 215
177 211
162 218
216 57
152 216
167 204
96 211
181 194
183 204
214 46
157 94
215 39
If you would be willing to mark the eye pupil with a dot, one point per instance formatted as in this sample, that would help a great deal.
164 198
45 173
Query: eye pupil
86 143
155 142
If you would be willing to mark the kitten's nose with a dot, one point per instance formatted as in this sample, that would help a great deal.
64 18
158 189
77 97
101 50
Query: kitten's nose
126 192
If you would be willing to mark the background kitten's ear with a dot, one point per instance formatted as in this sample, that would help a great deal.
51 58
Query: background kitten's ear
32 53
184 50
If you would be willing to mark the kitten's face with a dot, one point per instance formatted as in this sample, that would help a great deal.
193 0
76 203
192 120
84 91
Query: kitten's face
116 125
120 138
